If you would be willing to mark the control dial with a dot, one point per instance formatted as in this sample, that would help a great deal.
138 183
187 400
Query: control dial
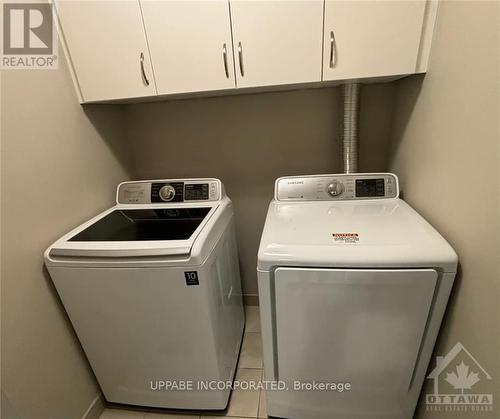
167 193
335 188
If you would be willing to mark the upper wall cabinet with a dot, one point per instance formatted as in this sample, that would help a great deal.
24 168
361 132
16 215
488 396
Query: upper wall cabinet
124 49
190 43
108 49
277 41
371 38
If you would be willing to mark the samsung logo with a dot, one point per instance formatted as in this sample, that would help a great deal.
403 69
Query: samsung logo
296 182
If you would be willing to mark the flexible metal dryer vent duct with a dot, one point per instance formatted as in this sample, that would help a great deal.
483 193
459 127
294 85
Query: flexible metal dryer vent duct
351 122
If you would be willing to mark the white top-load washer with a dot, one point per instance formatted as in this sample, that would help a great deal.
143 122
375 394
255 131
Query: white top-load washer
353 285
152 288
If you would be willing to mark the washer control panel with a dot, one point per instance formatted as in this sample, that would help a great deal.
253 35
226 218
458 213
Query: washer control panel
337 187
169 190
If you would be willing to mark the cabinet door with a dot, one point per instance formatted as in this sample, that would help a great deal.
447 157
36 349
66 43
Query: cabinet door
371 38
190 43
277 41
108 48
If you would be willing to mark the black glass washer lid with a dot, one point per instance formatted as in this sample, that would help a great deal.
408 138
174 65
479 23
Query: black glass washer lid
154 224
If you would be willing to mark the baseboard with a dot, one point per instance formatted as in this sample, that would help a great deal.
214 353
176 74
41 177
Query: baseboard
251 299
95 409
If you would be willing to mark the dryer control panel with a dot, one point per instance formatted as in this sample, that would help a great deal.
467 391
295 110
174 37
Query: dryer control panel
340 187
169 190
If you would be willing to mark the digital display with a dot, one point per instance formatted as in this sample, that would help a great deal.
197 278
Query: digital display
196 191
366 188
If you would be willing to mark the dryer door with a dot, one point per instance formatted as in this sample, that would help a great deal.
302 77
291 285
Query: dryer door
363 327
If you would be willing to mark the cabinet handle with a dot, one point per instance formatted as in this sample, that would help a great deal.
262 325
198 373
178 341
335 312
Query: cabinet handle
224 55
143 71
333 50
240 56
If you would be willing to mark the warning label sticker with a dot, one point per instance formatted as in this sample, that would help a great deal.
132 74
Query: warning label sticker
346 237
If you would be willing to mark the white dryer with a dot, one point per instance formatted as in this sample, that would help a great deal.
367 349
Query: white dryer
152 288
353 285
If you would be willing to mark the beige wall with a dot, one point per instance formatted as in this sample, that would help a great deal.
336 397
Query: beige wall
445 149
59 167
250 140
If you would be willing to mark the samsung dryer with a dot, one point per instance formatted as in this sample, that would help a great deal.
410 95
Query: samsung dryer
353 285
152 288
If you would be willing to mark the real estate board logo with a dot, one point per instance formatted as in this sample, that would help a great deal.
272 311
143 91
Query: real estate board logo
29 36
461 384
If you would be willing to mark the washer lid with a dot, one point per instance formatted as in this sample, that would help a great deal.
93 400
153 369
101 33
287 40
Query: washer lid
366 234
128 231
144 225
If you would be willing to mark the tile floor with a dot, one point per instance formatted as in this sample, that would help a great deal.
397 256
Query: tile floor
243 404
